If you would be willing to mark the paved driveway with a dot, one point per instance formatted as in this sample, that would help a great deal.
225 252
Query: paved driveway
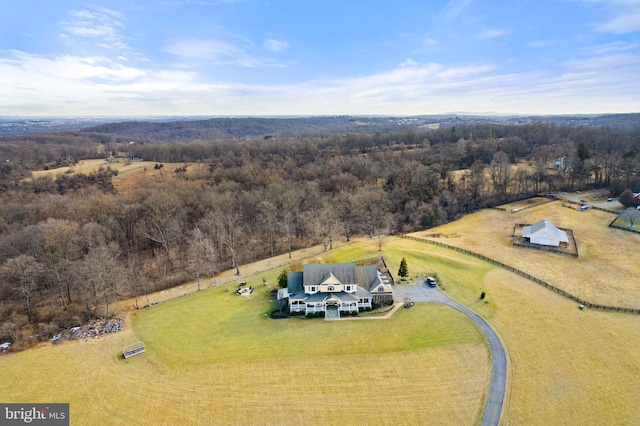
421 292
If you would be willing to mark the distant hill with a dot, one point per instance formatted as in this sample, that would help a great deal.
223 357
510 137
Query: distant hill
194 128
251 127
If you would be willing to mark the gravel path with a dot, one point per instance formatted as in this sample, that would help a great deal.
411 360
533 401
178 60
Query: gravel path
423 293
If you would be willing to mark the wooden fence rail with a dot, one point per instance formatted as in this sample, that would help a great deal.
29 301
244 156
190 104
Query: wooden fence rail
519 209
526 275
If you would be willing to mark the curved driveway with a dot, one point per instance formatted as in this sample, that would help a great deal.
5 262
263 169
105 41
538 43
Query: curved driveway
423 293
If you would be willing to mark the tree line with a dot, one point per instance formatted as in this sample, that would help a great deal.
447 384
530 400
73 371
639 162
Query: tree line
73 245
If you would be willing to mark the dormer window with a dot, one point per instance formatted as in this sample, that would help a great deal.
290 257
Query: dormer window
330 288
381 288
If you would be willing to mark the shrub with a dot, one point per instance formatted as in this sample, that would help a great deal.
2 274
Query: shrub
282 278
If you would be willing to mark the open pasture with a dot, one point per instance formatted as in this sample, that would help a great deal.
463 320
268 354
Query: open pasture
213 358
604 273
130 174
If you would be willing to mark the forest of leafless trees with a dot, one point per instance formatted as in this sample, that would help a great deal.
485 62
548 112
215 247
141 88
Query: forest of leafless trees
72 245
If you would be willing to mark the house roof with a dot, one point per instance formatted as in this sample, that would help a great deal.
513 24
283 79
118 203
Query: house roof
297 296
545 227
294 282
316 273
330 279
368 277
362 293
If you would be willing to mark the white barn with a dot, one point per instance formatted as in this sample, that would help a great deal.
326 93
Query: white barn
544 233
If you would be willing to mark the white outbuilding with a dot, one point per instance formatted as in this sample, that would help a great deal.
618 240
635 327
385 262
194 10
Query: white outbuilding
544 233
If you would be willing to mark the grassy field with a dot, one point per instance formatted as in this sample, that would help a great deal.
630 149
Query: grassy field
129 175
213 358
605 272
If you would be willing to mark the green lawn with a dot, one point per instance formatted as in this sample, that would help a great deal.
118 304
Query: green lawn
217 326
214 358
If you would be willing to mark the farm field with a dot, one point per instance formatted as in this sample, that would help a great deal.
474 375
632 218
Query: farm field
213 358
129 175
604 273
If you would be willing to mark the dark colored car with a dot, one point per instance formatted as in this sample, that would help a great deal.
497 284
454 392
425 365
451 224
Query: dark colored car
431 282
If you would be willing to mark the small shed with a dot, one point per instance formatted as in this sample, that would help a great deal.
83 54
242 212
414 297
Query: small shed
544 233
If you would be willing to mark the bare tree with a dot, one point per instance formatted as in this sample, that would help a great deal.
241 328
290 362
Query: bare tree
347 220
541 160
201 253
61 247
227 217
269 217
23 272
477 181
371 206
500 172
102 276
163 214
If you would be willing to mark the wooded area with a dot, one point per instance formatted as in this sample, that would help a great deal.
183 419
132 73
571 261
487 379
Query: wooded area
72 245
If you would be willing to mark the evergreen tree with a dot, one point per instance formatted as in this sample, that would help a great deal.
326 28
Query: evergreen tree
403 272
282 278
583 152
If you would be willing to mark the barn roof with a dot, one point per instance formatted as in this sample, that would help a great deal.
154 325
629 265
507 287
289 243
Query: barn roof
544 226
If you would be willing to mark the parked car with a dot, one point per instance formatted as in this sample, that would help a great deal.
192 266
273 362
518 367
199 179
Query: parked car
431 282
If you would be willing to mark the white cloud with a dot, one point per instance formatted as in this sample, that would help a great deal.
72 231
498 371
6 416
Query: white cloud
275 45
623 16
102 24
218 51
490 33
452 9
72 85
542 43
615 46
200 2
204 49
430 42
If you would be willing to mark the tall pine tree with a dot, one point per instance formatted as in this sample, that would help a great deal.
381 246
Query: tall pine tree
403 272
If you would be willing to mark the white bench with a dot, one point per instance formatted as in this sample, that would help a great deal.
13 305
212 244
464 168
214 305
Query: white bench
131 350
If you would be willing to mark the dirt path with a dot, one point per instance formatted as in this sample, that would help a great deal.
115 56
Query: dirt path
226 277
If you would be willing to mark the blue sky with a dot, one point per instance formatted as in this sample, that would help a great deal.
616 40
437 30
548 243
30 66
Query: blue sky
270 57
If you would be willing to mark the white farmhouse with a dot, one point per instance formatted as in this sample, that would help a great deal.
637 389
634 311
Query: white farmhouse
544 233
336 288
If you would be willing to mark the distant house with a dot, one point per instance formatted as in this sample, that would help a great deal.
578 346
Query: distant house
544 233
335 288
